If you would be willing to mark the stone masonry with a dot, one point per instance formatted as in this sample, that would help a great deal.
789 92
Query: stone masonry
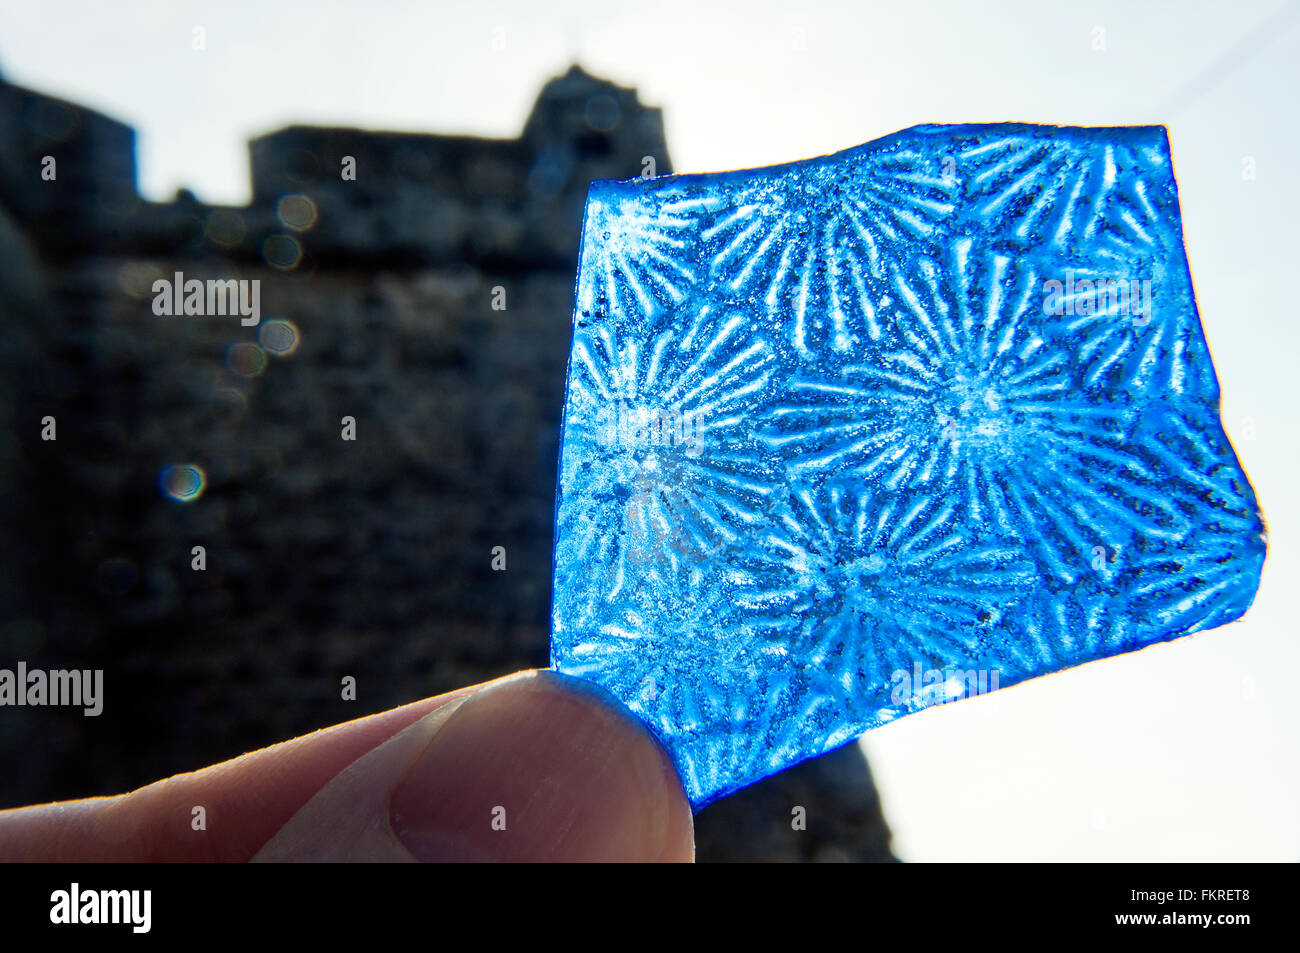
381 300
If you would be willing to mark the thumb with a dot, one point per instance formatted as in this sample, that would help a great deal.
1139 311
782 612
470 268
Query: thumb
537 767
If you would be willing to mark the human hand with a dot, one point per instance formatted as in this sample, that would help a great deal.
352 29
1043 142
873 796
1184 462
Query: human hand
533 767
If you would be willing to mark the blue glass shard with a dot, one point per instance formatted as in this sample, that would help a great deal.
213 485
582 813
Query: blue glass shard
858 435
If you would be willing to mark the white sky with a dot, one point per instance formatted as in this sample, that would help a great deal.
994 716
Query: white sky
1182 751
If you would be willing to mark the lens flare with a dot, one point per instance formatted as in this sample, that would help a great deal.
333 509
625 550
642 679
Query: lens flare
183 482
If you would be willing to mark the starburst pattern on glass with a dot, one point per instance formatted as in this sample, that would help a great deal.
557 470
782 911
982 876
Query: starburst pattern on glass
810 252
858 435
664 470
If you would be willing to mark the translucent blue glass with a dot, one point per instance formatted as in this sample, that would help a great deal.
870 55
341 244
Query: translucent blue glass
858 435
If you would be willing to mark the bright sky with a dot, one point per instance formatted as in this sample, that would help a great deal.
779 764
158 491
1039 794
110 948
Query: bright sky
1182 751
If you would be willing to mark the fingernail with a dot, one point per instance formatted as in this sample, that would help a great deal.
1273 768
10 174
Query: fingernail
347 819
542 768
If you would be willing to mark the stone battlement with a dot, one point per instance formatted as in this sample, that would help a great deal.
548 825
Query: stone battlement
410 198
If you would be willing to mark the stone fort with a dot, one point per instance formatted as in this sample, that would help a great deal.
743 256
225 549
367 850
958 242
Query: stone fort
419 284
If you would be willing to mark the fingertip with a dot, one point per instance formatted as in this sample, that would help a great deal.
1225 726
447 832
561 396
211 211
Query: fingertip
543 767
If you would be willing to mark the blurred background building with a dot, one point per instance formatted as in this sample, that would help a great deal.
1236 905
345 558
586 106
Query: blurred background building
1182 751
420 284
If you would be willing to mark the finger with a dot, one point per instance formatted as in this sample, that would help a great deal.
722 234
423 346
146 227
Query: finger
535 767
245 801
